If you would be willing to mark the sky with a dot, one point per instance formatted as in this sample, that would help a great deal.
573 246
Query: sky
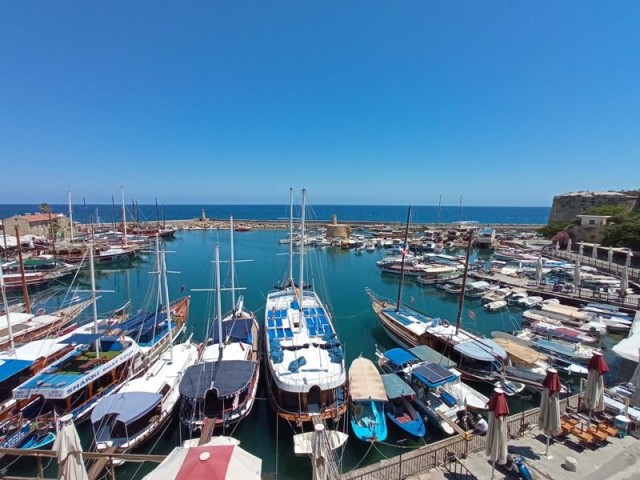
360 102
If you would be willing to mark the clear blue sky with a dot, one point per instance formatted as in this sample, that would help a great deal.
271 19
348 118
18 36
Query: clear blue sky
361 102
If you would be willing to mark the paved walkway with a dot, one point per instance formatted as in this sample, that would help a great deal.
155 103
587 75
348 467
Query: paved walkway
619 459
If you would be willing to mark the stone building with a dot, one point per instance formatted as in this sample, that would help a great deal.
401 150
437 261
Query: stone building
567 207
37 224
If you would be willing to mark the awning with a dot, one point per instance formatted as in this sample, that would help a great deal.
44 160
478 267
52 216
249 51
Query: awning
237 330
475 351
227 377
395 386
365 382
400 356
427 354
128 406
10 367
81 339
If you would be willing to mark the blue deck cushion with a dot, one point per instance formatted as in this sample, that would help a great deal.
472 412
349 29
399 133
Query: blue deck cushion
319 311
323 320
336 355
271 323
327 330
312 331
295 305
297 363
288 333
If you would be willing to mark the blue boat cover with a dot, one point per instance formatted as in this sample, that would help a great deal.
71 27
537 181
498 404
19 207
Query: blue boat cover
495 348
433 375
81 338
395 386
474 350
128 406
238 330
8 368
400 356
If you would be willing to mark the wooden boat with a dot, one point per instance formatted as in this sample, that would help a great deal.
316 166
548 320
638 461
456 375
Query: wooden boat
222 386
399 408
477 358
368 400
306 375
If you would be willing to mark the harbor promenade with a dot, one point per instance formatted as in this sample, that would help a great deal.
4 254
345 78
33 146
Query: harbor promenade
465 459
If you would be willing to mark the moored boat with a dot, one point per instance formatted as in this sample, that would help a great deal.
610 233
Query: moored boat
367 401
306 375
400 409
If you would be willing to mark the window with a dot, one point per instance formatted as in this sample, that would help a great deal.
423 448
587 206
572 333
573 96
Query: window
592 222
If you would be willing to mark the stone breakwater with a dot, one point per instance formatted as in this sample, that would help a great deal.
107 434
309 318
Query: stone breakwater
213 224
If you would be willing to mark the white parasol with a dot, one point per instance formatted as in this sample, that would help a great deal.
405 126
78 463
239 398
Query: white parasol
69 449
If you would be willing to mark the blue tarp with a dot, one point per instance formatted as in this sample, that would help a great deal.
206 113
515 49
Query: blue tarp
8 368
128 406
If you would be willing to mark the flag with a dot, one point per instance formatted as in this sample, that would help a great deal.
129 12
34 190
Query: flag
472 315
182 288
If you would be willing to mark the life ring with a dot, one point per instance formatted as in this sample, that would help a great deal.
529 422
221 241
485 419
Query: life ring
445 323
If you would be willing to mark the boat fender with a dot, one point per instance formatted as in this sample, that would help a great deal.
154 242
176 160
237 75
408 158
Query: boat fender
444 323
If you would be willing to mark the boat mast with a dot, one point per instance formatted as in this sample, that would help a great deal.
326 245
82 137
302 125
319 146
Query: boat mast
159 273
291 236
70 218
94 299
6 309
163 260
404 252
233 268
124 217
301 288
157 215
25 290
464 283
219 303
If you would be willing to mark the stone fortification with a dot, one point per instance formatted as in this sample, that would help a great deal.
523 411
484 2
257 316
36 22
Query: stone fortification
566 207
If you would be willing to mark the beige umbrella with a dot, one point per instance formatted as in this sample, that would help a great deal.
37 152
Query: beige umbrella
69 449
497 429
569 245
581 248
539 271
576 273
624 281
627 262
549 419
594 251
594 389
610 256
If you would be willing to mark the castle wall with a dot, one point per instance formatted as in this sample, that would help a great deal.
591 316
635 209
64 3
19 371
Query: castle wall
566 207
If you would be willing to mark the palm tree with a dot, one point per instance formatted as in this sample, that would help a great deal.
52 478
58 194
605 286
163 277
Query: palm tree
46 208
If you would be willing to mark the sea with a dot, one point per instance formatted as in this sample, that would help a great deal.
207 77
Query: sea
339 276
365 213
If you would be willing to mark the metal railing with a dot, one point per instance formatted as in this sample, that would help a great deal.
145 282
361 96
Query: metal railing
456 468
439 453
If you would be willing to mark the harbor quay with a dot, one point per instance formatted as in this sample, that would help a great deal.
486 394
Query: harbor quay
614 457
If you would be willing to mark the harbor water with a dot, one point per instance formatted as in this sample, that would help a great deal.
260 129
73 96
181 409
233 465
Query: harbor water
340 277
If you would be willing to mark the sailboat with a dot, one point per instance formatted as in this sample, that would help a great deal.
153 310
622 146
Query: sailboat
306 375
141 407
92 366
222 387
477 358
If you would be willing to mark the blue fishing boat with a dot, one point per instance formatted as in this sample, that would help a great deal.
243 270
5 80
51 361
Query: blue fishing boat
368 399
399 409
39 441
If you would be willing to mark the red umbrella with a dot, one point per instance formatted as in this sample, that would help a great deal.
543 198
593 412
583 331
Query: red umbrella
219 459
594 389
497 431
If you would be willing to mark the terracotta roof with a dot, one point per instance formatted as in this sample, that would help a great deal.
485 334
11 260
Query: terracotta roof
40 217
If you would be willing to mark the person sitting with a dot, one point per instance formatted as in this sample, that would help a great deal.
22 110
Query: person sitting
481 426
